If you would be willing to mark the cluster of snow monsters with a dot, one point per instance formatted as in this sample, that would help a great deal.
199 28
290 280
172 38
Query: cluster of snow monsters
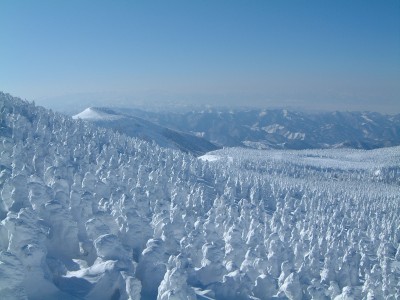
87 213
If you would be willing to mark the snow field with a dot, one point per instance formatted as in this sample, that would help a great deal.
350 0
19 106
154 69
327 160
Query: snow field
87 213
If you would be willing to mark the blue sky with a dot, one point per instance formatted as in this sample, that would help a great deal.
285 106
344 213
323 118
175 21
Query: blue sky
309 54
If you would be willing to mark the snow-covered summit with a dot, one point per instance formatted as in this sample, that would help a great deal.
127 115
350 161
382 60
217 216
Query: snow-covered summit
97 113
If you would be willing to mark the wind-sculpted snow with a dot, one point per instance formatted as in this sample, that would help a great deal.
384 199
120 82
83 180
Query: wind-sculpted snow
87 213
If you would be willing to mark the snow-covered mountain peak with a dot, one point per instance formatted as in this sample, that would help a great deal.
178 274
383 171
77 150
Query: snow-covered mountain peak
98 114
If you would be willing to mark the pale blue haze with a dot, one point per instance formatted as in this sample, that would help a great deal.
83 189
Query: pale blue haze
309 54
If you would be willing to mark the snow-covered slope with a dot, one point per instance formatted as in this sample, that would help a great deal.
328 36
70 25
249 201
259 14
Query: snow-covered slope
283 129
87 213
137 127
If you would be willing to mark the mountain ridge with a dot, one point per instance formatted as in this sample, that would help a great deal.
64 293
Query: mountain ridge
135 126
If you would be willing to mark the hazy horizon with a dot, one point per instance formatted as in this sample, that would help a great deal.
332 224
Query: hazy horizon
310 55
156 100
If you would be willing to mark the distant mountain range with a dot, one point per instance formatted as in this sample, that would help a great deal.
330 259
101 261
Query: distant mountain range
259 129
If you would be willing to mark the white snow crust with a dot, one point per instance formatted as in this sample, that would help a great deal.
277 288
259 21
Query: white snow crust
88 213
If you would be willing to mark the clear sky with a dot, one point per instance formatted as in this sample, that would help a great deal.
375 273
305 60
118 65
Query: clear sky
337 54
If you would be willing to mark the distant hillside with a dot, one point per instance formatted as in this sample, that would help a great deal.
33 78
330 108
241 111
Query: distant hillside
135 126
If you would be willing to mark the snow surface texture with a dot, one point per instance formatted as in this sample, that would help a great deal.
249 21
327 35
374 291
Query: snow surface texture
137 127
283 129
87 213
